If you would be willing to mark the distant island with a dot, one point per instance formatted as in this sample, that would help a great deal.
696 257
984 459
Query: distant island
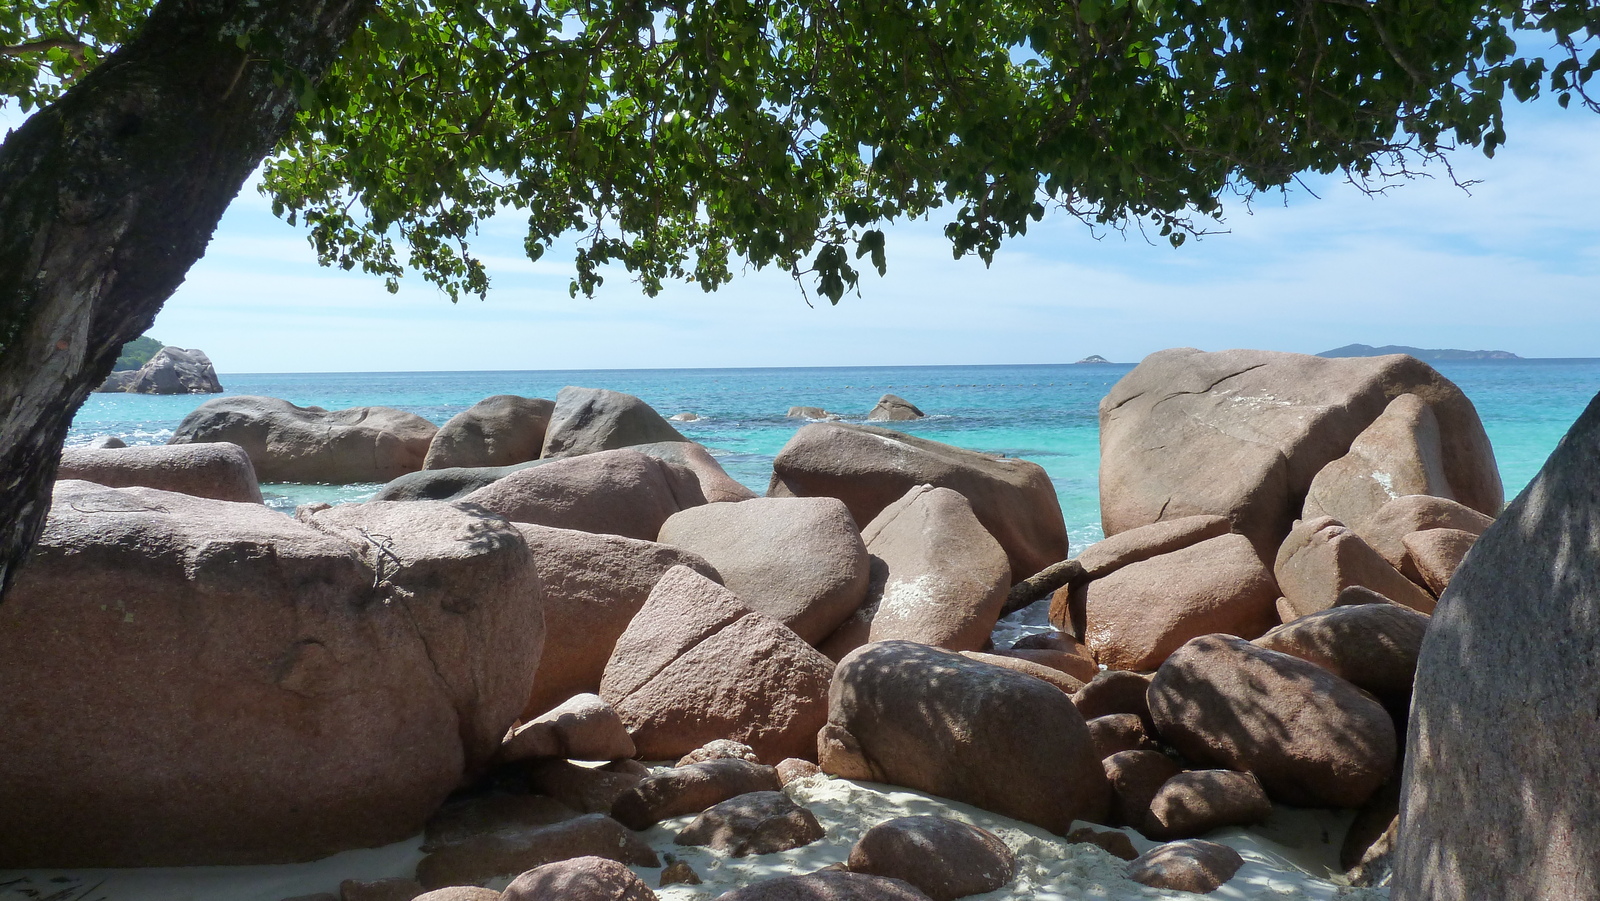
1093 358
1421 353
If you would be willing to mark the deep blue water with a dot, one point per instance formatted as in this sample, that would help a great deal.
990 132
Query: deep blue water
1047 414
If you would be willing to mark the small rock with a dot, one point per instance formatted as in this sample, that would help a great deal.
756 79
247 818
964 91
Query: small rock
792 768
814 413
1116 691
679 873
580 879
690 789
106 442
393 889
583 727
1321 558
1387 529
945 858
1136 777
1119 732
719 749
460 893
753 823
684 417
1194 865
1117 844
892 408
1194 803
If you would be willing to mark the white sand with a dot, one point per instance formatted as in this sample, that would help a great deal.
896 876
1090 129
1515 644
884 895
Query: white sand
1286 860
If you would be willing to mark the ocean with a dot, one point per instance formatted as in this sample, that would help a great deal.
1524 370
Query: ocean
1044 413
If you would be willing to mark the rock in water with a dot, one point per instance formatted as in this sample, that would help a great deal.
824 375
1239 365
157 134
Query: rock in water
1313 739
870 468
1255 427
497 431
801 561
173 370
190 681
893 408
287 443
1499 794
220 471
587 420
709 477
933 720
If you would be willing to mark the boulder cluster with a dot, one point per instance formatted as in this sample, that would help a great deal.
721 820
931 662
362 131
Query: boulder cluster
555 591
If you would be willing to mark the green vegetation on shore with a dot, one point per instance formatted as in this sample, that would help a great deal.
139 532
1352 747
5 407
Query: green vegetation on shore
136 353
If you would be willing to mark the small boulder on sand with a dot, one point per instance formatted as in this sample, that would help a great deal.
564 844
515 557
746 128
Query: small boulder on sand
501 430
696 664
1135 778
945 858
938 577
932 720
763 822
1193 865
801 561
579 879
588 420
480 858
220 471
1194 803
1313 739
870 468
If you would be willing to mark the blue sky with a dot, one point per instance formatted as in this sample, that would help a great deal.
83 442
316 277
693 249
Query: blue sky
1513 264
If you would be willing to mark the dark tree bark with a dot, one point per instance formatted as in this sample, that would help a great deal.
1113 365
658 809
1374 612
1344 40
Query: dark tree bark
110 195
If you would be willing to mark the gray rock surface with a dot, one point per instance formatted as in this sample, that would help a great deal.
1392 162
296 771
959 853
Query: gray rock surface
587 420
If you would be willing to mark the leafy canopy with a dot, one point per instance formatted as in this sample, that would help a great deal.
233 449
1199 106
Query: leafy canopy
680 137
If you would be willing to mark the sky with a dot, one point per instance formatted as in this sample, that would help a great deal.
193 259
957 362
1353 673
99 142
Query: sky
1512 263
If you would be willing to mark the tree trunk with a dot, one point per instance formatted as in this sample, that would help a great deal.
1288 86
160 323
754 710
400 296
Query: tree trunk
110 195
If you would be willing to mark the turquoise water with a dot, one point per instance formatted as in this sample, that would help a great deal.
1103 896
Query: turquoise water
1047 414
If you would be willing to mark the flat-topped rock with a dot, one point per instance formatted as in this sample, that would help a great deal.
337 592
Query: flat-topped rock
219 471
288 443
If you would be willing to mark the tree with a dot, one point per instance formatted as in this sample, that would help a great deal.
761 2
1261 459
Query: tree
679 137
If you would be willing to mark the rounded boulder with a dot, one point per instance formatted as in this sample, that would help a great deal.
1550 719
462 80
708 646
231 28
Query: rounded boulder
288 443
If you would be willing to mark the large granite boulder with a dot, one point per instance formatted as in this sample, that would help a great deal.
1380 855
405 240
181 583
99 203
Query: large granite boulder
938 577
1313 739
1134 617
587 420
711 480
189 681
593 585
219 471
798 560
287 443
870 468
933 720
618 492
696 664
173 370
1399 454
497 431
1242 433
1321 558
1498 799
